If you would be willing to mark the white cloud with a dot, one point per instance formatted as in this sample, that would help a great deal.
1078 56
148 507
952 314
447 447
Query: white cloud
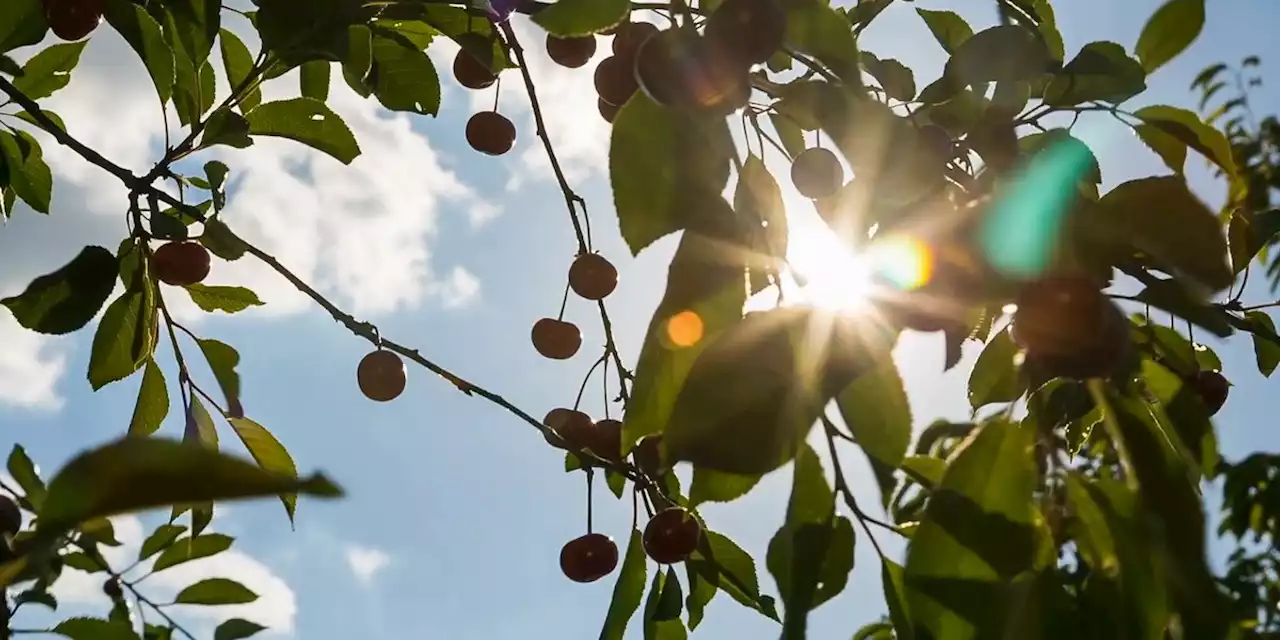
366 563
276 606
459 289
30 366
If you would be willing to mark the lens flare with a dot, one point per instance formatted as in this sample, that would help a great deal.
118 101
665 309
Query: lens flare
904 261
684 329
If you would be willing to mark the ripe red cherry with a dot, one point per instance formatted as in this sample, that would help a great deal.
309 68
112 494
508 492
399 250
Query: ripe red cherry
816 173
571 52
470 72
629 37
181 263
1069 327
592 276
671 536
589 558
381 376
607 111
575 427
73 19
679 68
608 440
10 517
1212 389
491 133
615 79
556 339
648 455
752 29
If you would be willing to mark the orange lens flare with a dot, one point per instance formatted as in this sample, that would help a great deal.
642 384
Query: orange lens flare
905 261
684 329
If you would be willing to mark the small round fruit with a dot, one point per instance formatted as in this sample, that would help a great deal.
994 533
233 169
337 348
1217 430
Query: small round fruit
752 29
592 276
10 517
589 558
574 426
648 454
491 133
181 263
112 588
571 52
73 19
471 73
608 440
556 339
607 111
629 37
671 535
816 173
1070 328
1212 389
381 376
679 68
615 80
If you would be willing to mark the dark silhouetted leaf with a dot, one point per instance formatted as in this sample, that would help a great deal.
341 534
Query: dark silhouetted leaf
627 592
95 629
1266 348
216 591
21 23
23 472
221 241
141 473
29 175
237 629
581 17
307 121
1172 28
144 35
895 78
701 591
67 299
1172 296
721 561
1101 71
159 540
153 402
125 338
1172 151
822 32
948 27
995 376
1005 53
193 548
237 62
314 79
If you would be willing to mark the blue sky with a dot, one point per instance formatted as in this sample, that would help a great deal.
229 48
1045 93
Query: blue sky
457 510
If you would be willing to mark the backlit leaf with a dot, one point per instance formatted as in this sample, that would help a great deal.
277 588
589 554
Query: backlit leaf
125 338
627 592
159 540
314 79
212 298
153 402
49 70
1003 53
1101 71
1191 131
716 486
29 175
237 62
95 629
216 591
269 454
876 410
67 299
192 548
581 17
1173 27
22 23
23 472
404 79
1266 349
237 629
995 376
144 35
948 27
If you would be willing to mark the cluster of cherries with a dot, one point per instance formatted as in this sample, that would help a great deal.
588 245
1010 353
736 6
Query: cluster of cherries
73 19
592 277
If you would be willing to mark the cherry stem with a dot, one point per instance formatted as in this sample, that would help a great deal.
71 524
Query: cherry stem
581 389
564 301
590 481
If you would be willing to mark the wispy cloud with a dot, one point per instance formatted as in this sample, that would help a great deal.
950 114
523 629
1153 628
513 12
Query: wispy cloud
366 563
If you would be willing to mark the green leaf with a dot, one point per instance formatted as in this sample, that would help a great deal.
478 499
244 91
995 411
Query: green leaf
1095 536
822 32
753 394
269 454
701 591
1048 28
219 298
722 562
1101 71
664 165
216 591
704 296
144 35
581 17
977 535
894 77
67 299
877 412
925 470
223 359
125 339
9 66
1006 53
663 607
36 597
134 474
1191 131
221 241
50 70
153 402
29 175
1265 347
948 27
95 629
1248 233
404 79
314 79
199 428
196 24
627 592
1173 296
23 471
1163 218
995 376
1172 28
715 486
192 548
1170 149
57 120
237 629
1059 140
237 62
307 121
789 134
22 23
891 580
159 540
227 127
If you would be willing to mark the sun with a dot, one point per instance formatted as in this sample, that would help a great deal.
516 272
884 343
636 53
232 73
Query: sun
829 273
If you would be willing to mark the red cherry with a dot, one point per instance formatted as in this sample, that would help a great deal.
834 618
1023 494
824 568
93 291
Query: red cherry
629 37
571 52
607 111
491 133
816 173
592 276
381 376
181 263
575 427
589 558
648 454
73 19
471 73
608 440
615 80
1212 388
556 339
752 29
672 535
